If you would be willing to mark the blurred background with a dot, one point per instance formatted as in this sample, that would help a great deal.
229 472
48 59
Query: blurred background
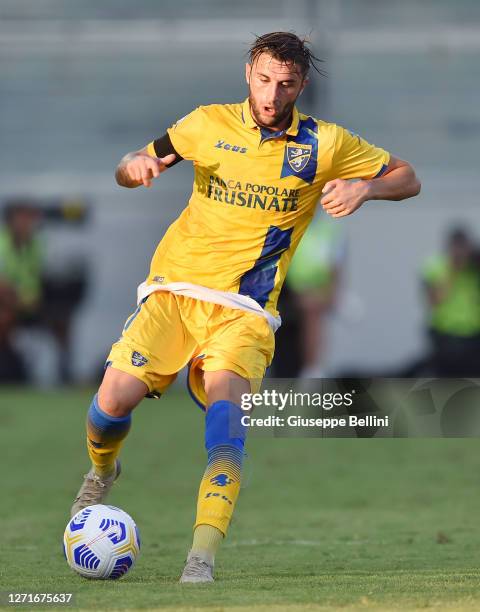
84 83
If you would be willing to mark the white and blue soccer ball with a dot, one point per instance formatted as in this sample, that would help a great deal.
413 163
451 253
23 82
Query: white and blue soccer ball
101 542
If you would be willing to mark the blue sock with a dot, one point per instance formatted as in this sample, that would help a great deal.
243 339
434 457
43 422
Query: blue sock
105 435
220 485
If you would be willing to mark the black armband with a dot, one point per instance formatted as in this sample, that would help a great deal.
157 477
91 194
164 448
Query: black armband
163 146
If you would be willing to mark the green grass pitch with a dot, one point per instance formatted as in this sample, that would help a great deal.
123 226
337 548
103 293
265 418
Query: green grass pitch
320 525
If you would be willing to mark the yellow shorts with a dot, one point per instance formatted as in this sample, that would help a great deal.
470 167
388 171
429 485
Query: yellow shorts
168 331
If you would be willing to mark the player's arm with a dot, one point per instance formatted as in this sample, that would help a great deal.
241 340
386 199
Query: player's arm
397 182
141 167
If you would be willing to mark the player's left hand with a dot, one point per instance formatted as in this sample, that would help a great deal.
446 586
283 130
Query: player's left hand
342 198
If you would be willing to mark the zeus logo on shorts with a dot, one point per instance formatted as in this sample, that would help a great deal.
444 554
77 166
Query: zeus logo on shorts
138 360
221 144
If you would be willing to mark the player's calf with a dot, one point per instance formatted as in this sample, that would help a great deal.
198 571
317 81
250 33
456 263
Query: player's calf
108 424
219 488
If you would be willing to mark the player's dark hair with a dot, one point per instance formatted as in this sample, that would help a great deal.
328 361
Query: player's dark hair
286 47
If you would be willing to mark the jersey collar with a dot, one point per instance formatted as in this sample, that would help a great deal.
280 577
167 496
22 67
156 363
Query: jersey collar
249 121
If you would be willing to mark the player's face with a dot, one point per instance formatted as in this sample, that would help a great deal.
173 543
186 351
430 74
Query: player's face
273 90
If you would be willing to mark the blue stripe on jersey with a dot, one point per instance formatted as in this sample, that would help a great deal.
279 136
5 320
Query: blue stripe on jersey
304 136
259 281
268 134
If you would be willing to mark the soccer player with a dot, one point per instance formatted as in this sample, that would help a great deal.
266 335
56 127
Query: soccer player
210 298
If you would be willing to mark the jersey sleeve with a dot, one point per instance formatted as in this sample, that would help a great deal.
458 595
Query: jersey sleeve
162 147
354 157
185 135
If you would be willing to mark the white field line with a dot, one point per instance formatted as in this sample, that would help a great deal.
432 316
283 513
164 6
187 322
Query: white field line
266 542
254 542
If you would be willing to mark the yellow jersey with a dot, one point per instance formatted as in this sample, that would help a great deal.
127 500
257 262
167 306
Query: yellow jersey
254 194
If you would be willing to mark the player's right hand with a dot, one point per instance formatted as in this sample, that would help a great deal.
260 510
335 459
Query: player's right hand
143 168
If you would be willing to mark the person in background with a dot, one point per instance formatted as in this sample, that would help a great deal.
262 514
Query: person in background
21 257
20 283
42 299
451 282
12 367
313 278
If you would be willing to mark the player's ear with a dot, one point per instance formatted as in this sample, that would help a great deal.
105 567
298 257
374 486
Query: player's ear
248 70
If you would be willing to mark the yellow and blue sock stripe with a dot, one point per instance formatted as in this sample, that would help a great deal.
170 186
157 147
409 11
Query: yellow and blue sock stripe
105 435
220 485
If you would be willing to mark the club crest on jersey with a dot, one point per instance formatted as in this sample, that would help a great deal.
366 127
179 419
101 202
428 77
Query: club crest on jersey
298 156
138 360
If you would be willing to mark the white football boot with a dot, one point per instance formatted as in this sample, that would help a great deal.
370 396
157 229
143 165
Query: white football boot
94 489
196 570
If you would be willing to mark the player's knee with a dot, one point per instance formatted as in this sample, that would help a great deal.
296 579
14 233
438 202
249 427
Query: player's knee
111 401
225 385
114 405
120 392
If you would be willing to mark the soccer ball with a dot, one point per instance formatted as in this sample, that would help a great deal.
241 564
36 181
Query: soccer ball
101 542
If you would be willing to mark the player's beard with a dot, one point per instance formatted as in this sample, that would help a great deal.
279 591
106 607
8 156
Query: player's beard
273 121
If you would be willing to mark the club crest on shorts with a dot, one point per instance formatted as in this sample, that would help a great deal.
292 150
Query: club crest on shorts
138 360
298 155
